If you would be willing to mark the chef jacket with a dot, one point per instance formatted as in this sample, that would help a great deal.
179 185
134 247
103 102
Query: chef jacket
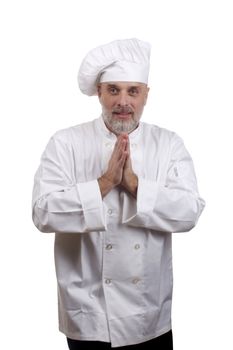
113 256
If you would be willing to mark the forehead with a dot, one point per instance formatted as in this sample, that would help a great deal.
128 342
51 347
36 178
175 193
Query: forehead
123 84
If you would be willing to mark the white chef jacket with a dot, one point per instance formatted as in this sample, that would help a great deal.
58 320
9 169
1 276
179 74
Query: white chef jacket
113 255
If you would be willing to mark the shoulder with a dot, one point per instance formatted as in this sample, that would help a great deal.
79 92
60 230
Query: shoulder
67 135
160 134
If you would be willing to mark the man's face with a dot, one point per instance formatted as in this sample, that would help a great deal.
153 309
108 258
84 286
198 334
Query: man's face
122 105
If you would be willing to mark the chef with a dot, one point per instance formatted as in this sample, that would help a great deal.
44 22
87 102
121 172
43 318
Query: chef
114 190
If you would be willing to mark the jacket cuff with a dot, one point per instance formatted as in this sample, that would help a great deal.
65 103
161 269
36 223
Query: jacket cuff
138 211
92 204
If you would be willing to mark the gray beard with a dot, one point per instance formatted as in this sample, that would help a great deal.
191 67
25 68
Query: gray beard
120 126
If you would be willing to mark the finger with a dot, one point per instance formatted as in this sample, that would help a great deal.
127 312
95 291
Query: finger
120 146
122 159
128 147
128 163
124 139
116 149
118 142
123 136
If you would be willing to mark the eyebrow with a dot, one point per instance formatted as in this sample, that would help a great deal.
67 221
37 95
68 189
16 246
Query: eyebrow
118 87
112 85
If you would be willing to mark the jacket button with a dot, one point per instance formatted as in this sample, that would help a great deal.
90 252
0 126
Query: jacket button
135 280
137 246
108 246
109 211
108 281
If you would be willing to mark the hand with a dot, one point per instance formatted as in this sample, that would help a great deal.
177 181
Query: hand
129 179
113 176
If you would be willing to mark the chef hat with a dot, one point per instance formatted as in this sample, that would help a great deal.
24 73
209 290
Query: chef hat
120 60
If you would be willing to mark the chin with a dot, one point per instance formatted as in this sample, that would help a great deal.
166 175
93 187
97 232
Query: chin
120 125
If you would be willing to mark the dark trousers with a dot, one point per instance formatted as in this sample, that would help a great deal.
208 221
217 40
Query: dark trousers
163 342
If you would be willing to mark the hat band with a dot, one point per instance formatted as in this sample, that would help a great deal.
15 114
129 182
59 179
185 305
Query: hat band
125 71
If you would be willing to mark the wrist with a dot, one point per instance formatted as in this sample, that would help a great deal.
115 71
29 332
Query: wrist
105 185
131 184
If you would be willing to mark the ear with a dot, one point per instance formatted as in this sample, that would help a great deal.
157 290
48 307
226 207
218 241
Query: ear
99 90
146 95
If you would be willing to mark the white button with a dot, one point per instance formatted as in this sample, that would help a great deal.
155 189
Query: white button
110 211
108 246
137 246
108 281
176 172
135 280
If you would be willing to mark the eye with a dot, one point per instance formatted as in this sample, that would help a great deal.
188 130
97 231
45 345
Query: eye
113 90
133 91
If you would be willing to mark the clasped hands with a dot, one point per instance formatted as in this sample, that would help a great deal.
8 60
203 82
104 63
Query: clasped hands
119 171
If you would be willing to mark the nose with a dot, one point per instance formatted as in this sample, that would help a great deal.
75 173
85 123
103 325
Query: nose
123 99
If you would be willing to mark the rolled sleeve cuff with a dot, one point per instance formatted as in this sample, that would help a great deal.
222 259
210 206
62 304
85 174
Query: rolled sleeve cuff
92 204
137 211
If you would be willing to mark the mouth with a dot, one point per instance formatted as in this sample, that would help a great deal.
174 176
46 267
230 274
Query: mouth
122 115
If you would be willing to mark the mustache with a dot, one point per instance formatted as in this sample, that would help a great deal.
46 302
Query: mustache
122 110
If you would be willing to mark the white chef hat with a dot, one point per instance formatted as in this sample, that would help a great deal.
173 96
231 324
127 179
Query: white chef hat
120 60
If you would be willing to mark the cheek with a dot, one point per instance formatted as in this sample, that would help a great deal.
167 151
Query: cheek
107 103
139 107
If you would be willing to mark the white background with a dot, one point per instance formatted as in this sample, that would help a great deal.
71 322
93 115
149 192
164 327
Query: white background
42 44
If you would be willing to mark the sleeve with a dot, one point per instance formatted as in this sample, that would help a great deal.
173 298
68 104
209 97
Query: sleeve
173 205
59 204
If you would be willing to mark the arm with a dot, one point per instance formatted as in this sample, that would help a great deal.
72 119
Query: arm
59 203
171 206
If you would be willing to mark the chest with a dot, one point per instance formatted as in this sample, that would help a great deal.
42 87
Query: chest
90 158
